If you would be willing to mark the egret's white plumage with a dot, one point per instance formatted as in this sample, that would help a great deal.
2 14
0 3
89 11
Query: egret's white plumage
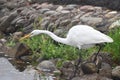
81 36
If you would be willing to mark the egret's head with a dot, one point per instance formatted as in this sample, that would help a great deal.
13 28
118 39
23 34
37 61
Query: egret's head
33 33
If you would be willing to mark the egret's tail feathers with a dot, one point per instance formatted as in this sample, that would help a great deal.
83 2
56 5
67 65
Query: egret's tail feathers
109 39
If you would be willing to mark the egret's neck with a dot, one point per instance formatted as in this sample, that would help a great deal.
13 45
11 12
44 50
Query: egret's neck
53 36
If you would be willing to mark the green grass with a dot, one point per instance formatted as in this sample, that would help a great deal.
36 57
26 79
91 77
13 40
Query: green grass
114 48
46 48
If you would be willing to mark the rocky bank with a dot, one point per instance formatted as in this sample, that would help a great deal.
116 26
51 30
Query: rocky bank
18 17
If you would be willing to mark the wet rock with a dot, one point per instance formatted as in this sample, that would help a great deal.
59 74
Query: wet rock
106 58
91 77
6 23
89 68
19 50
46 66
116 73
10 73
106 70
67 70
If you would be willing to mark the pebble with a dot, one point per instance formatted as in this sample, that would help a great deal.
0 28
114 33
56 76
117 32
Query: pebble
46 66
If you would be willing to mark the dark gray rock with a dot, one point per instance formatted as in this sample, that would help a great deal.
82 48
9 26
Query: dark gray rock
6 23
89 68
3 1
91 77
65 22
106 70
28 29
18 50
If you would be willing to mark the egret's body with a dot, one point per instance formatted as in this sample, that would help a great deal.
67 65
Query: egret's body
81 36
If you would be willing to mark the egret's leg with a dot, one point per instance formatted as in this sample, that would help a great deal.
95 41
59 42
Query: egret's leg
76 67
100 47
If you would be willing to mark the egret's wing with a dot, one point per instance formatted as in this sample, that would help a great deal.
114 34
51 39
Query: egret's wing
81 35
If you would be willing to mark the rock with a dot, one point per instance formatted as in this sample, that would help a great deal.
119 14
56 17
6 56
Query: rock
17 35
11 5
68 64
20 22
6 23
3 48
3 1
10 73
42 11
51 12
67 70
28 28
59 31
46 66
89 68
74 22
3 41
106 70
87 8
45 24
65 22
69 7
19 50
116 73
115 24
91 77
110 14
4 12
65 12
59 9
91 20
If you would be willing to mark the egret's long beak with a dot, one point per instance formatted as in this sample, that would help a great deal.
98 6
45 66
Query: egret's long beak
26 36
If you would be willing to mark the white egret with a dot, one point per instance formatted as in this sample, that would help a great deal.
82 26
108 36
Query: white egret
80 36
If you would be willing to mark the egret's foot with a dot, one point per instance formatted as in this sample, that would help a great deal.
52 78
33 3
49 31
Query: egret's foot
76 68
